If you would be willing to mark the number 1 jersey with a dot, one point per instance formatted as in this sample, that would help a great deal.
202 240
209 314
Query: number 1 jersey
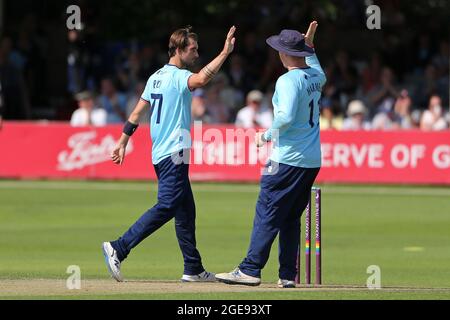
296 116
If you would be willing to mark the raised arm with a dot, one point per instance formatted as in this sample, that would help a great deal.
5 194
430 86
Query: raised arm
312 61
202 78
310 34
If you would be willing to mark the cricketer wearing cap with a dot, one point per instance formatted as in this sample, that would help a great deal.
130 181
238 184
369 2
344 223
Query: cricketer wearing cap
169 93
294 164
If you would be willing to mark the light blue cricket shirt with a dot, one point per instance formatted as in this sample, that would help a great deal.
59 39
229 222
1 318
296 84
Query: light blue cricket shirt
296 116
170 118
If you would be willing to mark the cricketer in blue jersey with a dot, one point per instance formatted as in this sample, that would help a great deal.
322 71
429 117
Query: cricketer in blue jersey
169 94
168 88
294 164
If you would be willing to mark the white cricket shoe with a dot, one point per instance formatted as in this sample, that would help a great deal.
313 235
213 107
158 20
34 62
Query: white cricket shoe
202 277
112 262
286 284
238 277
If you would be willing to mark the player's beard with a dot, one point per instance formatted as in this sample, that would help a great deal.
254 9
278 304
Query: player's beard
188 63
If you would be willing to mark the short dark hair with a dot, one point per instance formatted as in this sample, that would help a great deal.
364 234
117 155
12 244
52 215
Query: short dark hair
180 40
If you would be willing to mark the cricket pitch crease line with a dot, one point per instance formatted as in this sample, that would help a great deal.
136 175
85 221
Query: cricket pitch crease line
42 287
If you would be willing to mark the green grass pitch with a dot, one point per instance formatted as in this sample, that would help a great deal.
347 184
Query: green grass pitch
47 226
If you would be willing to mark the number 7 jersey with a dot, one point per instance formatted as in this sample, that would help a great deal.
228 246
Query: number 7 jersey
296 116
170 100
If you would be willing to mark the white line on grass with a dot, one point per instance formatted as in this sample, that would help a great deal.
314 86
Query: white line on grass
251 188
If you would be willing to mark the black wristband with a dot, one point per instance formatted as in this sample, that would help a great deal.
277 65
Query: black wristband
130 128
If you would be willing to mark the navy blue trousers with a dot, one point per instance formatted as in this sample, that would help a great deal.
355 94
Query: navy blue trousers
175 200
282 200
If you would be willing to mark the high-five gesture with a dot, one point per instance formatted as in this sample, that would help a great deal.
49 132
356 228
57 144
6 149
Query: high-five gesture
309 37
202 78
229 42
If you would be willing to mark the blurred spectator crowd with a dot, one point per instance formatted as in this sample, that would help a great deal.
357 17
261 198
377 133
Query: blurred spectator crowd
369 93
362 95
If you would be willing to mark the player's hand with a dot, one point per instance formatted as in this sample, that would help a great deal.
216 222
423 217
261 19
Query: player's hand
229 42
259 140
309 37
118 154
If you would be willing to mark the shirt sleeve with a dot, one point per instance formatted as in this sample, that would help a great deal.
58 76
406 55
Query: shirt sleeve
285 110
313 62
146 94
181 78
